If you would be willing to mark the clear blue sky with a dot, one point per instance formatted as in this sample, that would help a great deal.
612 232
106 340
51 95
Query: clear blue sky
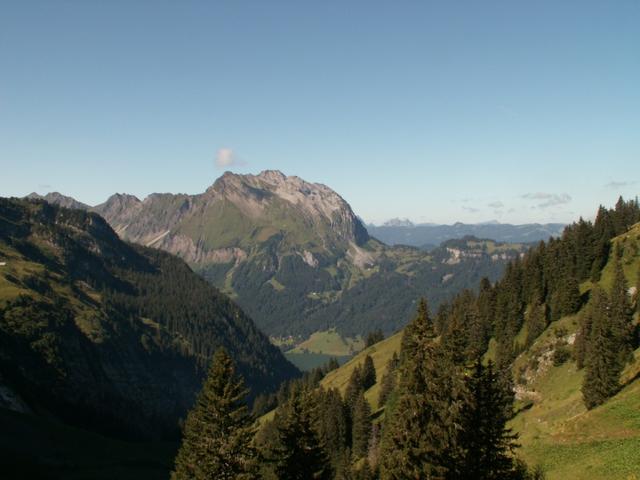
436 111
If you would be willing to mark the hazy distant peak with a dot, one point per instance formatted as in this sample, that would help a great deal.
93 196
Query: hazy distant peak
398 222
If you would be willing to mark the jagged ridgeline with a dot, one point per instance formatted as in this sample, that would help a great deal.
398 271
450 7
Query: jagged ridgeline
295 256
107 335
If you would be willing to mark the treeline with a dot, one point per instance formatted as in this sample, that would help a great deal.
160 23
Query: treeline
607 337
544 285
443 419
538 288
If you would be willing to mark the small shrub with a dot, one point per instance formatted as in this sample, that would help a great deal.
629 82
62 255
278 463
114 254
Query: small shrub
561 355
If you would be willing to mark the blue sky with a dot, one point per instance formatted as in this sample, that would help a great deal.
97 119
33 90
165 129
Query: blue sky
436 111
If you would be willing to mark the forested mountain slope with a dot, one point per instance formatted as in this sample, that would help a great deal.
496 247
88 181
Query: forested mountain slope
110 336
294 255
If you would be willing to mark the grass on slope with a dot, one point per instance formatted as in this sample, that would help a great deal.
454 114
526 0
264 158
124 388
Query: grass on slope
557 431
329 342
380 353
568 441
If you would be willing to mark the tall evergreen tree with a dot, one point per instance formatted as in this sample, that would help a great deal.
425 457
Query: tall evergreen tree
621 313
487 442
536 322
368 373
417 333
361 427
454 338
353 387
388 382
218 434
420 434
583 336
333 424
603 365
297 452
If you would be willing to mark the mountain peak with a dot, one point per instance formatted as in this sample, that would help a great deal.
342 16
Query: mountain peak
252 194
57 198
398 222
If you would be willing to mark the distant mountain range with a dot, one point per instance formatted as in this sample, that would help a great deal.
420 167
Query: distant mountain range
294 255
403 232
107 335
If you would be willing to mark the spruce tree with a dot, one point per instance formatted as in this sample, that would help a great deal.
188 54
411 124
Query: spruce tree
388 382
583 336
603 364
621 313
420 434
218 433
454 341
361 427
536 322
353 387
418 332
569 301
487 443
373 338
297 452
333 424
368 373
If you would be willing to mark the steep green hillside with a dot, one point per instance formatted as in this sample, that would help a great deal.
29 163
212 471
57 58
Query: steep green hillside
381 353
556 431
110 336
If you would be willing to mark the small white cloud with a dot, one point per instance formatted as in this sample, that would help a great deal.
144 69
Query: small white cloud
497 204
471 209
226 157
614 185
548 199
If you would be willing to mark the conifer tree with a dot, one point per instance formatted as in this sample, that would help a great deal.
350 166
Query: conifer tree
603 365
361 428
583 336
603 232
218 433
368 377
420 436
569 301
388 381
297 452
621 313
536 322
373 338
333 423
487 442
353 387
454 341
418 332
